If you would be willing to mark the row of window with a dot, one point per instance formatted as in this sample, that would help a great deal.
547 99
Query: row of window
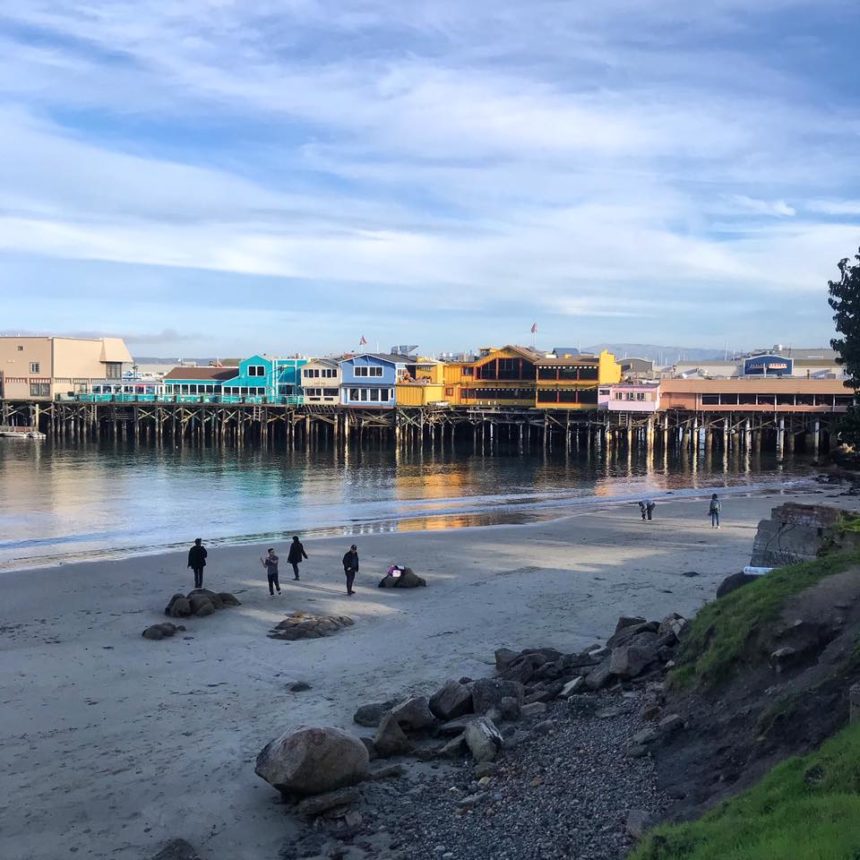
568 374
583 395
777 400
370 395
323 373
368 371
322 392
498 394
630 395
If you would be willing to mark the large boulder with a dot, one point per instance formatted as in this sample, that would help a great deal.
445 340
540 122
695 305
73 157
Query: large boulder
599 676
414 714
409 579
390 739
628 661
213 597
228 599
488 693
453 700
371 715
733 582
178 607
483 739
313 760
200 604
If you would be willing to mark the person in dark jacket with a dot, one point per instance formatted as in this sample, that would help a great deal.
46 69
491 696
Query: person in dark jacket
714 511
646 508
296 554
270 562
350 567
197 561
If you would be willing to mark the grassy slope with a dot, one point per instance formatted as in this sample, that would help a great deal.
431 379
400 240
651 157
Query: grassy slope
807 808
720 633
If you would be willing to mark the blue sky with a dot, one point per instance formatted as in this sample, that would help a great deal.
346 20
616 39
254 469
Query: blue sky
232 176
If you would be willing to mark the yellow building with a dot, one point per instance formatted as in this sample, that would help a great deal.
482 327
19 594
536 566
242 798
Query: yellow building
571 381
497 377
43 368
422 384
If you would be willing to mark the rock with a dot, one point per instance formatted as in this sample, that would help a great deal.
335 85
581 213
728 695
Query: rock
409 579
485 768
371 715
370 746
453 700
154 633
390 739
168 629
509 708
645 736
489 692
455 727
733 582
228 599
632 633
301 625
177 849
312 761
414 714
320 803
600 676
571 687
672 624
178 607
204 608
523 668
670 724
483 739
300 687
533 709
540 696
638 821
472 799
690 573
202 595
504 657
628 621
453 748
628 661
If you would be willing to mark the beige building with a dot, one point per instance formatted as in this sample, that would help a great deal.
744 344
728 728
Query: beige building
321 380
44 368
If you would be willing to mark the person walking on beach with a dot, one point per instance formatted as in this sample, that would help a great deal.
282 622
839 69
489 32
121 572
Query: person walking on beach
350 567
296 554
270 562
646 508
197 561
714 511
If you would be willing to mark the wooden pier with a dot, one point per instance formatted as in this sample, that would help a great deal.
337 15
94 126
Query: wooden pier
484 429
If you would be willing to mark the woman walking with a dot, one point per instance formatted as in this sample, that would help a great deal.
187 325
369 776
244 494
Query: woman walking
270 562
714 511
296 554
350 567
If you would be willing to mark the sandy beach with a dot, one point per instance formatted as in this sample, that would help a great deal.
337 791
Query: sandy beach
112 744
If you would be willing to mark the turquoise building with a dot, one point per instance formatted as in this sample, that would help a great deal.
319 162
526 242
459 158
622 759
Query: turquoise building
262 378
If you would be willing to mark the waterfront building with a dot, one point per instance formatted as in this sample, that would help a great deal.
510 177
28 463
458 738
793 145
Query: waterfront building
630 397
370 379
198 383
752 394
571 382
422 384
321 381
780 361
497 377
48 368
265 378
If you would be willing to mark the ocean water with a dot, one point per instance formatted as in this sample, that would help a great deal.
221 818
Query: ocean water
63 502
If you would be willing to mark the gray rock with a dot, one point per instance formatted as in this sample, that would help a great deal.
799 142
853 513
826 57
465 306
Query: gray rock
414 714
390 739
453 748
504 657
178 607
485 768
472 799
733 582
312 761
483 739
628 621
177 849
670 724
628 661
533 709
451 701
204 608
489 692
455 727
320 803
371 715
390 771
600 676
370 746
300 687
571 687
645 736
509 708
154 633
638 822
228 599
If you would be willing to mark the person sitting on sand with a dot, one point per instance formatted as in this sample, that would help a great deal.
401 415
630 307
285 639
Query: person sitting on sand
646 508
295 556
197 561
350 567
270 562
714 511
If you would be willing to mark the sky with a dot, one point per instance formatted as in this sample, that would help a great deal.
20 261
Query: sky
225 177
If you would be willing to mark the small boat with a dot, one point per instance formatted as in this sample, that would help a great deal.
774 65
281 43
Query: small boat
23 433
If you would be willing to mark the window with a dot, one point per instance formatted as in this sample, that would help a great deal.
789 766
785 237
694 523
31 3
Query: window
113 370
35 367
547 373
640 395
468 371
20 348
329 392
710 400
311 374
385 395
361 371
374 394
40 389
365 370
256 370
354 393
619 395
449 392
329 373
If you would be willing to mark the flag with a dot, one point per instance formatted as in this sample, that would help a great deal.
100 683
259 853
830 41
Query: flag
363 341
534 328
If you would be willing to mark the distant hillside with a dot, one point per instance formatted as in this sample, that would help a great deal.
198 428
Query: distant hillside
658 354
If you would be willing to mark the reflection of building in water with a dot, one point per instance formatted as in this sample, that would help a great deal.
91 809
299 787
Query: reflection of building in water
412 481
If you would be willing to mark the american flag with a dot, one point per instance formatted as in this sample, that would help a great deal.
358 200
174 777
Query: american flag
534 328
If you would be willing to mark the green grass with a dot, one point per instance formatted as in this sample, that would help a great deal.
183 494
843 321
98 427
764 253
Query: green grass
849 523
724 632
807 808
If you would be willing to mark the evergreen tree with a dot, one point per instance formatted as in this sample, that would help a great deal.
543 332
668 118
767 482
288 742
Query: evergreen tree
845 300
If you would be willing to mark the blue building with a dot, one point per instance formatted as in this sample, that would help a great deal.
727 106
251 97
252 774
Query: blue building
369 380
262 378
768 365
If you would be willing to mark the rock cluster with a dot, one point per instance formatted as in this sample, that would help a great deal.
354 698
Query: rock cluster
162 631
407 579
177 849
301 625
200 602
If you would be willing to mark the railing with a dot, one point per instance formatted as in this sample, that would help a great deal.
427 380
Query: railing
291 400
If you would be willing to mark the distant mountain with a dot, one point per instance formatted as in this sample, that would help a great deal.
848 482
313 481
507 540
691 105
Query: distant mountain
659 354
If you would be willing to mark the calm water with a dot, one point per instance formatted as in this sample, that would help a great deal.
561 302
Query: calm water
62 503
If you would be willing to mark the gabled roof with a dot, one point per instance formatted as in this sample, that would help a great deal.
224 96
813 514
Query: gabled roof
214 374
326 362
572 360
391 358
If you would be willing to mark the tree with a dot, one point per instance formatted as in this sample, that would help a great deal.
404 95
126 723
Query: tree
845 300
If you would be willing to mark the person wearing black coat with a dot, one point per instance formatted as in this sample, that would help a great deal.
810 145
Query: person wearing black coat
197 561
296 554
350 567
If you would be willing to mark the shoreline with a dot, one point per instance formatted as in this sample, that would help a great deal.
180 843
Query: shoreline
110 745
434 523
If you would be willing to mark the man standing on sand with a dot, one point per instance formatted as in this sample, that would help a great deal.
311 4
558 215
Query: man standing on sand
350 567
270 562
297 553
714 511
197 561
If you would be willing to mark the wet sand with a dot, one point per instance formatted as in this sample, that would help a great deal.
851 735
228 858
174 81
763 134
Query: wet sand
111 744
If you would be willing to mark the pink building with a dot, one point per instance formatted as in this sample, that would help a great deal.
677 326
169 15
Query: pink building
631 397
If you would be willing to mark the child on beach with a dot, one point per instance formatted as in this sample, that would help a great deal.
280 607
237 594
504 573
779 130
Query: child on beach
270 562
714 511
